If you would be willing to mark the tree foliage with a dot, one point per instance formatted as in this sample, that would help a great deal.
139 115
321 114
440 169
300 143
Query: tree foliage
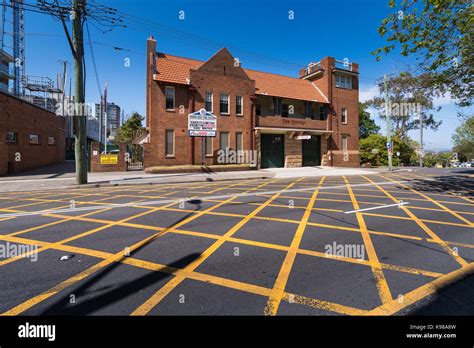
367 125
373 149
129 131
463 139
439 34
409 96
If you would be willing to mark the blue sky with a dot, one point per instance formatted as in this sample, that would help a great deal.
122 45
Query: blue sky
342 29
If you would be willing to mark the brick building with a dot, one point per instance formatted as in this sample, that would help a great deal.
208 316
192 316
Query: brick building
288 122
30 137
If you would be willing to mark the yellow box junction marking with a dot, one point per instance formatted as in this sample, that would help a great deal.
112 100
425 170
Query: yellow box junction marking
279 287
381 282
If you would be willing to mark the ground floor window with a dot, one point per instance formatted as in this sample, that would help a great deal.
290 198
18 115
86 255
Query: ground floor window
35 139
238 141
224 140
11 137
208 146
169 143
345 141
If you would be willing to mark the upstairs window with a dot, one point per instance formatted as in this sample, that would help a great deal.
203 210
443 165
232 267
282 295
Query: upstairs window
238 105
169 94
343 81
344 116
208 101
323 112
224 104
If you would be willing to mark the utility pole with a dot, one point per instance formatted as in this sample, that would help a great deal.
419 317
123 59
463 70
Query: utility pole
387 117
80 132
105 111
421 140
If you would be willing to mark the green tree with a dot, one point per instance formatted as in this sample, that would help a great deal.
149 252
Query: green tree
409 96
129 131
373 150
367 125
463 139
432 159
439 34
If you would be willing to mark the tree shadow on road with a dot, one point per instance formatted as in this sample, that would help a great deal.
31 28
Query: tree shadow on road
454 299
455 184
64 307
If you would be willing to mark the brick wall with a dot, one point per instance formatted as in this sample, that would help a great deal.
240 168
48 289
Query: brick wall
23 118
211 76
341 98
293 152
219 74
96 166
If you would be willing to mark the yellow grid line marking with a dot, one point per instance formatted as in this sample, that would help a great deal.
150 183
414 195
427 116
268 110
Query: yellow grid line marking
149 304
341 228
276 295
381 282
320 304
435 202
206 278
76 278
425 228
105 225
423 291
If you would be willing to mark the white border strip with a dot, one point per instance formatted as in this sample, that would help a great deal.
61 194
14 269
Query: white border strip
380 207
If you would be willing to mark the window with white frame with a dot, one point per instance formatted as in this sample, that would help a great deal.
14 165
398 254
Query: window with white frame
169 143
224 103
345 143
208 146
344 116
343 81
224 140
239 105
169 95
208 101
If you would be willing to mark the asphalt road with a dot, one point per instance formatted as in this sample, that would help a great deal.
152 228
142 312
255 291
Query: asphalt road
357 245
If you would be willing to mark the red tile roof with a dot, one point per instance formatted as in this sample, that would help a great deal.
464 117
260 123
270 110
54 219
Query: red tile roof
175 69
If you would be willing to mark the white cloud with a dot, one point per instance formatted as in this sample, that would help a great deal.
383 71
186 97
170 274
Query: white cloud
367 93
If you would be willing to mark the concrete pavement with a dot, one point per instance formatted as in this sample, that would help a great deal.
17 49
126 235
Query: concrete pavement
55 179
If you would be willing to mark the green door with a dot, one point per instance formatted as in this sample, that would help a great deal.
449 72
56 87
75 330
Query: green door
312 151
273 149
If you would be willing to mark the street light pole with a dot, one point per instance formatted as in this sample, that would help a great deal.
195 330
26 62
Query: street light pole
387 118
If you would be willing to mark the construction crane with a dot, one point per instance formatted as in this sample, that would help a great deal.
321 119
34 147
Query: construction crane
18 43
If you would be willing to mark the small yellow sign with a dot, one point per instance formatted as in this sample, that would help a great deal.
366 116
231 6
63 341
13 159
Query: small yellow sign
108 159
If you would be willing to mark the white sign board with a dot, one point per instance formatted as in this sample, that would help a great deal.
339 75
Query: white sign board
303 137
202 124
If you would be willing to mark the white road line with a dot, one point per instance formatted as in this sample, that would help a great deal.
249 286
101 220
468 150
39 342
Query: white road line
185 199
380 207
